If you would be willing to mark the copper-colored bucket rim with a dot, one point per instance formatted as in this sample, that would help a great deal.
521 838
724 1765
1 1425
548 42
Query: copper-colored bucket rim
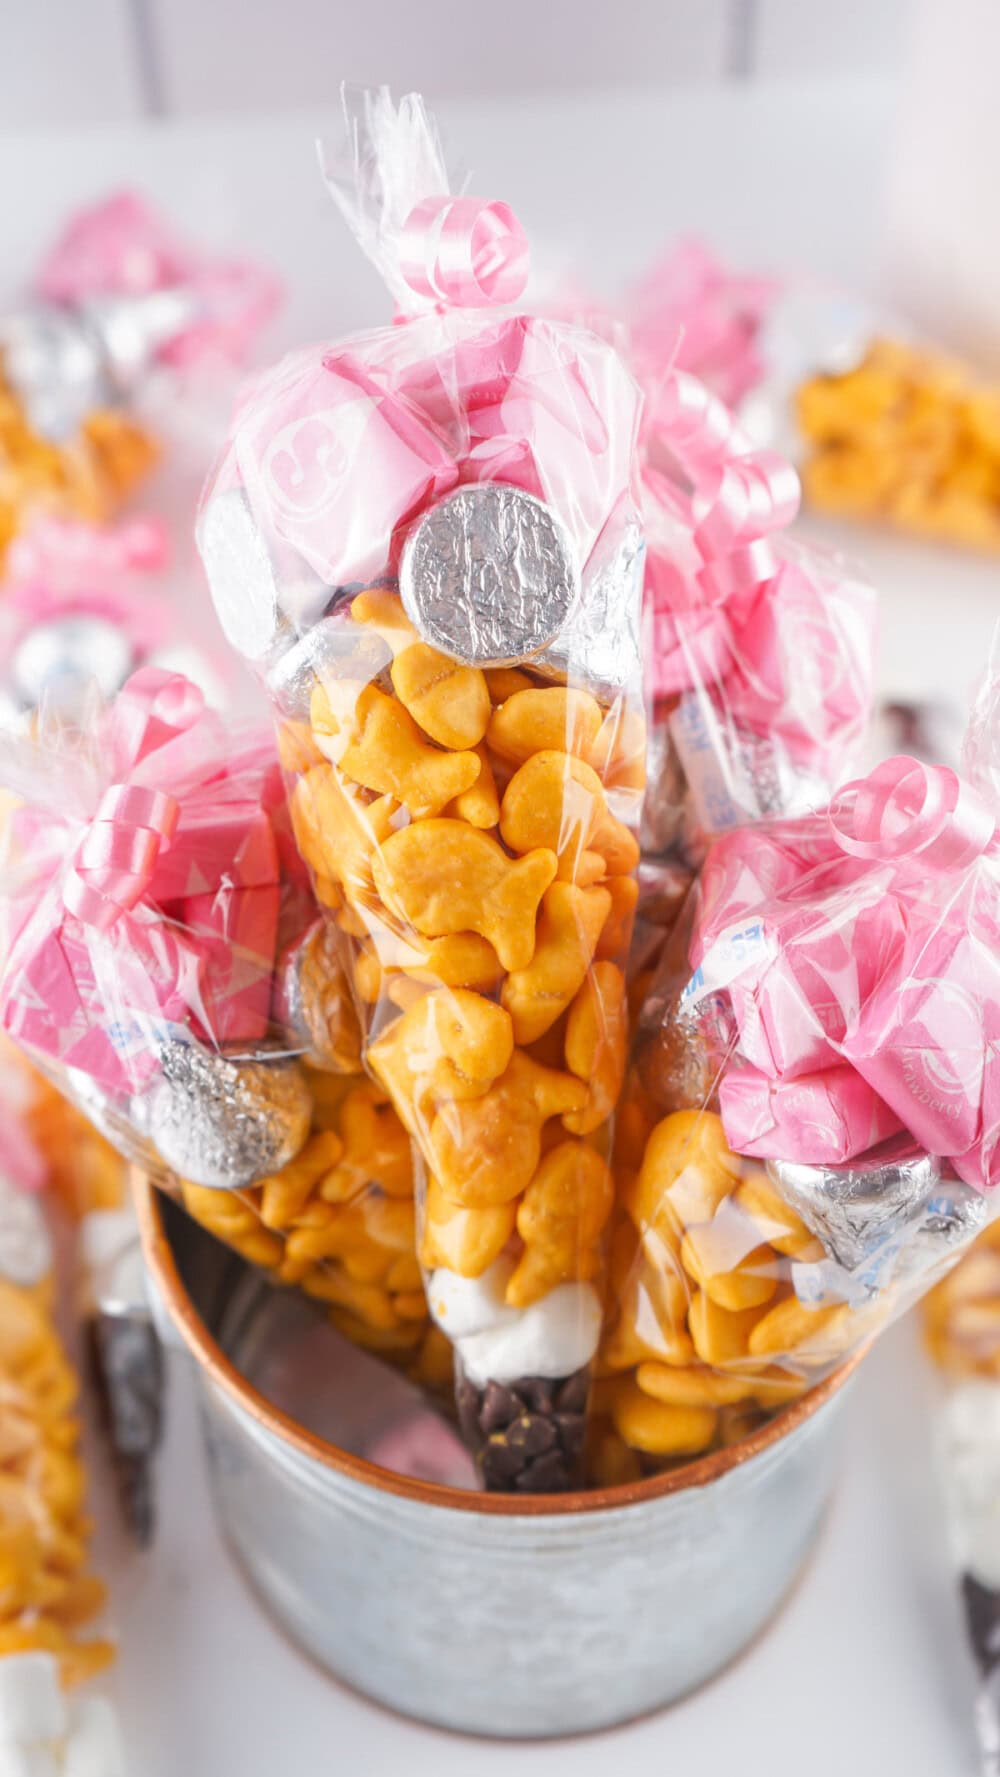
224 1375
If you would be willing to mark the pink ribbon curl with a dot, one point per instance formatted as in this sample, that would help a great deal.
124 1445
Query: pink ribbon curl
739 494
133 824
904 809
465 252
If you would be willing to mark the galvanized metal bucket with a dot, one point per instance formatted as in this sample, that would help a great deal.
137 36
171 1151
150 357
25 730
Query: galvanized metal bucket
491 1614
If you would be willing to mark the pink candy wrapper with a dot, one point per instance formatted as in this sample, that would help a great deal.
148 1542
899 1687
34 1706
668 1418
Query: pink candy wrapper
822 1118
121 247
158 908
863 944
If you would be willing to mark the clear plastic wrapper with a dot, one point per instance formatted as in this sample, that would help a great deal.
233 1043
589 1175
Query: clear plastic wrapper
83 609
117 299
425 539
759 669
168 970
808 1137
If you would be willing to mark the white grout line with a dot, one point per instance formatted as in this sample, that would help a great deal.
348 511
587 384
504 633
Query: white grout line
740 54
146 50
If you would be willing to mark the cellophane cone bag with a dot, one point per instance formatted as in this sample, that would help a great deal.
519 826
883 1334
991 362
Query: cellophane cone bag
808 1137
425 539
167 968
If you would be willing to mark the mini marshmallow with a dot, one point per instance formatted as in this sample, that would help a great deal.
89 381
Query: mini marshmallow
554 1337
111 1260
465 1306
25 1248
94 1747
29 1761
32 1707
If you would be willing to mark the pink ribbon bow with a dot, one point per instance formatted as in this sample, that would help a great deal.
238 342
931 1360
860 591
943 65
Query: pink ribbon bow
167 908
464 252
869 947
906 810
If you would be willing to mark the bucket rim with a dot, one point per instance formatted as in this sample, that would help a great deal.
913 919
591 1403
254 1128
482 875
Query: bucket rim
218 1368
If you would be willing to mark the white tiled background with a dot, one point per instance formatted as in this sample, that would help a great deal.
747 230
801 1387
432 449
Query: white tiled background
93 61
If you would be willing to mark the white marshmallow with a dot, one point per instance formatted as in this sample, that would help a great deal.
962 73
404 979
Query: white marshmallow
554 1337
32 1706
970 1431
25 1247
465 1305
112 1266
94 1747
29 1761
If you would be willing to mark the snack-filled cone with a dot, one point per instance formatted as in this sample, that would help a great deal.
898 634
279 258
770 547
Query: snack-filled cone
48 1596
425 539
807 1138
117 300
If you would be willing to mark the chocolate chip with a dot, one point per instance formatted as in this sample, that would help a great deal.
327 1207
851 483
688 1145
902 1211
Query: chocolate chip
467 1402
571 1430
538 1392
572 1396
500 1406
532 1434
982 1617
547 1474
501 1462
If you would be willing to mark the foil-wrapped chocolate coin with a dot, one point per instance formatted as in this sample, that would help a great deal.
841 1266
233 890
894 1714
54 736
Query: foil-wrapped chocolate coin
857 1208
599 646
240 573
335 648
57 661
224 1121
314 1003
489 576
25 1248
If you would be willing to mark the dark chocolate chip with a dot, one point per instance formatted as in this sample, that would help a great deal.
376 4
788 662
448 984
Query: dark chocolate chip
982 1618
547 1474
500 1406
571 1430
467 1400
501 1462
532 1434
572 1396
538 1392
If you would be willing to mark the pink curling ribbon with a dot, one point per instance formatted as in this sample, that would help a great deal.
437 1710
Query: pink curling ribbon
904 809
115 863
739 495
464 252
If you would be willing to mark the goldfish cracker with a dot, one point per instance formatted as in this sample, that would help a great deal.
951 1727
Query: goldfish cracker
503 681
382 612
791 1327
444 877
595 1044
560 1219
451 703
616 932
569 927
335 831
693 1386
656 1429
722 1336
463 1240
776 1223
724 1258
385 752
687 1171
480 803
612 1462
556 801
542 720
452 1044
486 1150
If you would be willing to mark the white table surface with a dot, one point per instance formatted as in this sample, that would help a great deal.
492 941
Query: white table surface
864 1673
